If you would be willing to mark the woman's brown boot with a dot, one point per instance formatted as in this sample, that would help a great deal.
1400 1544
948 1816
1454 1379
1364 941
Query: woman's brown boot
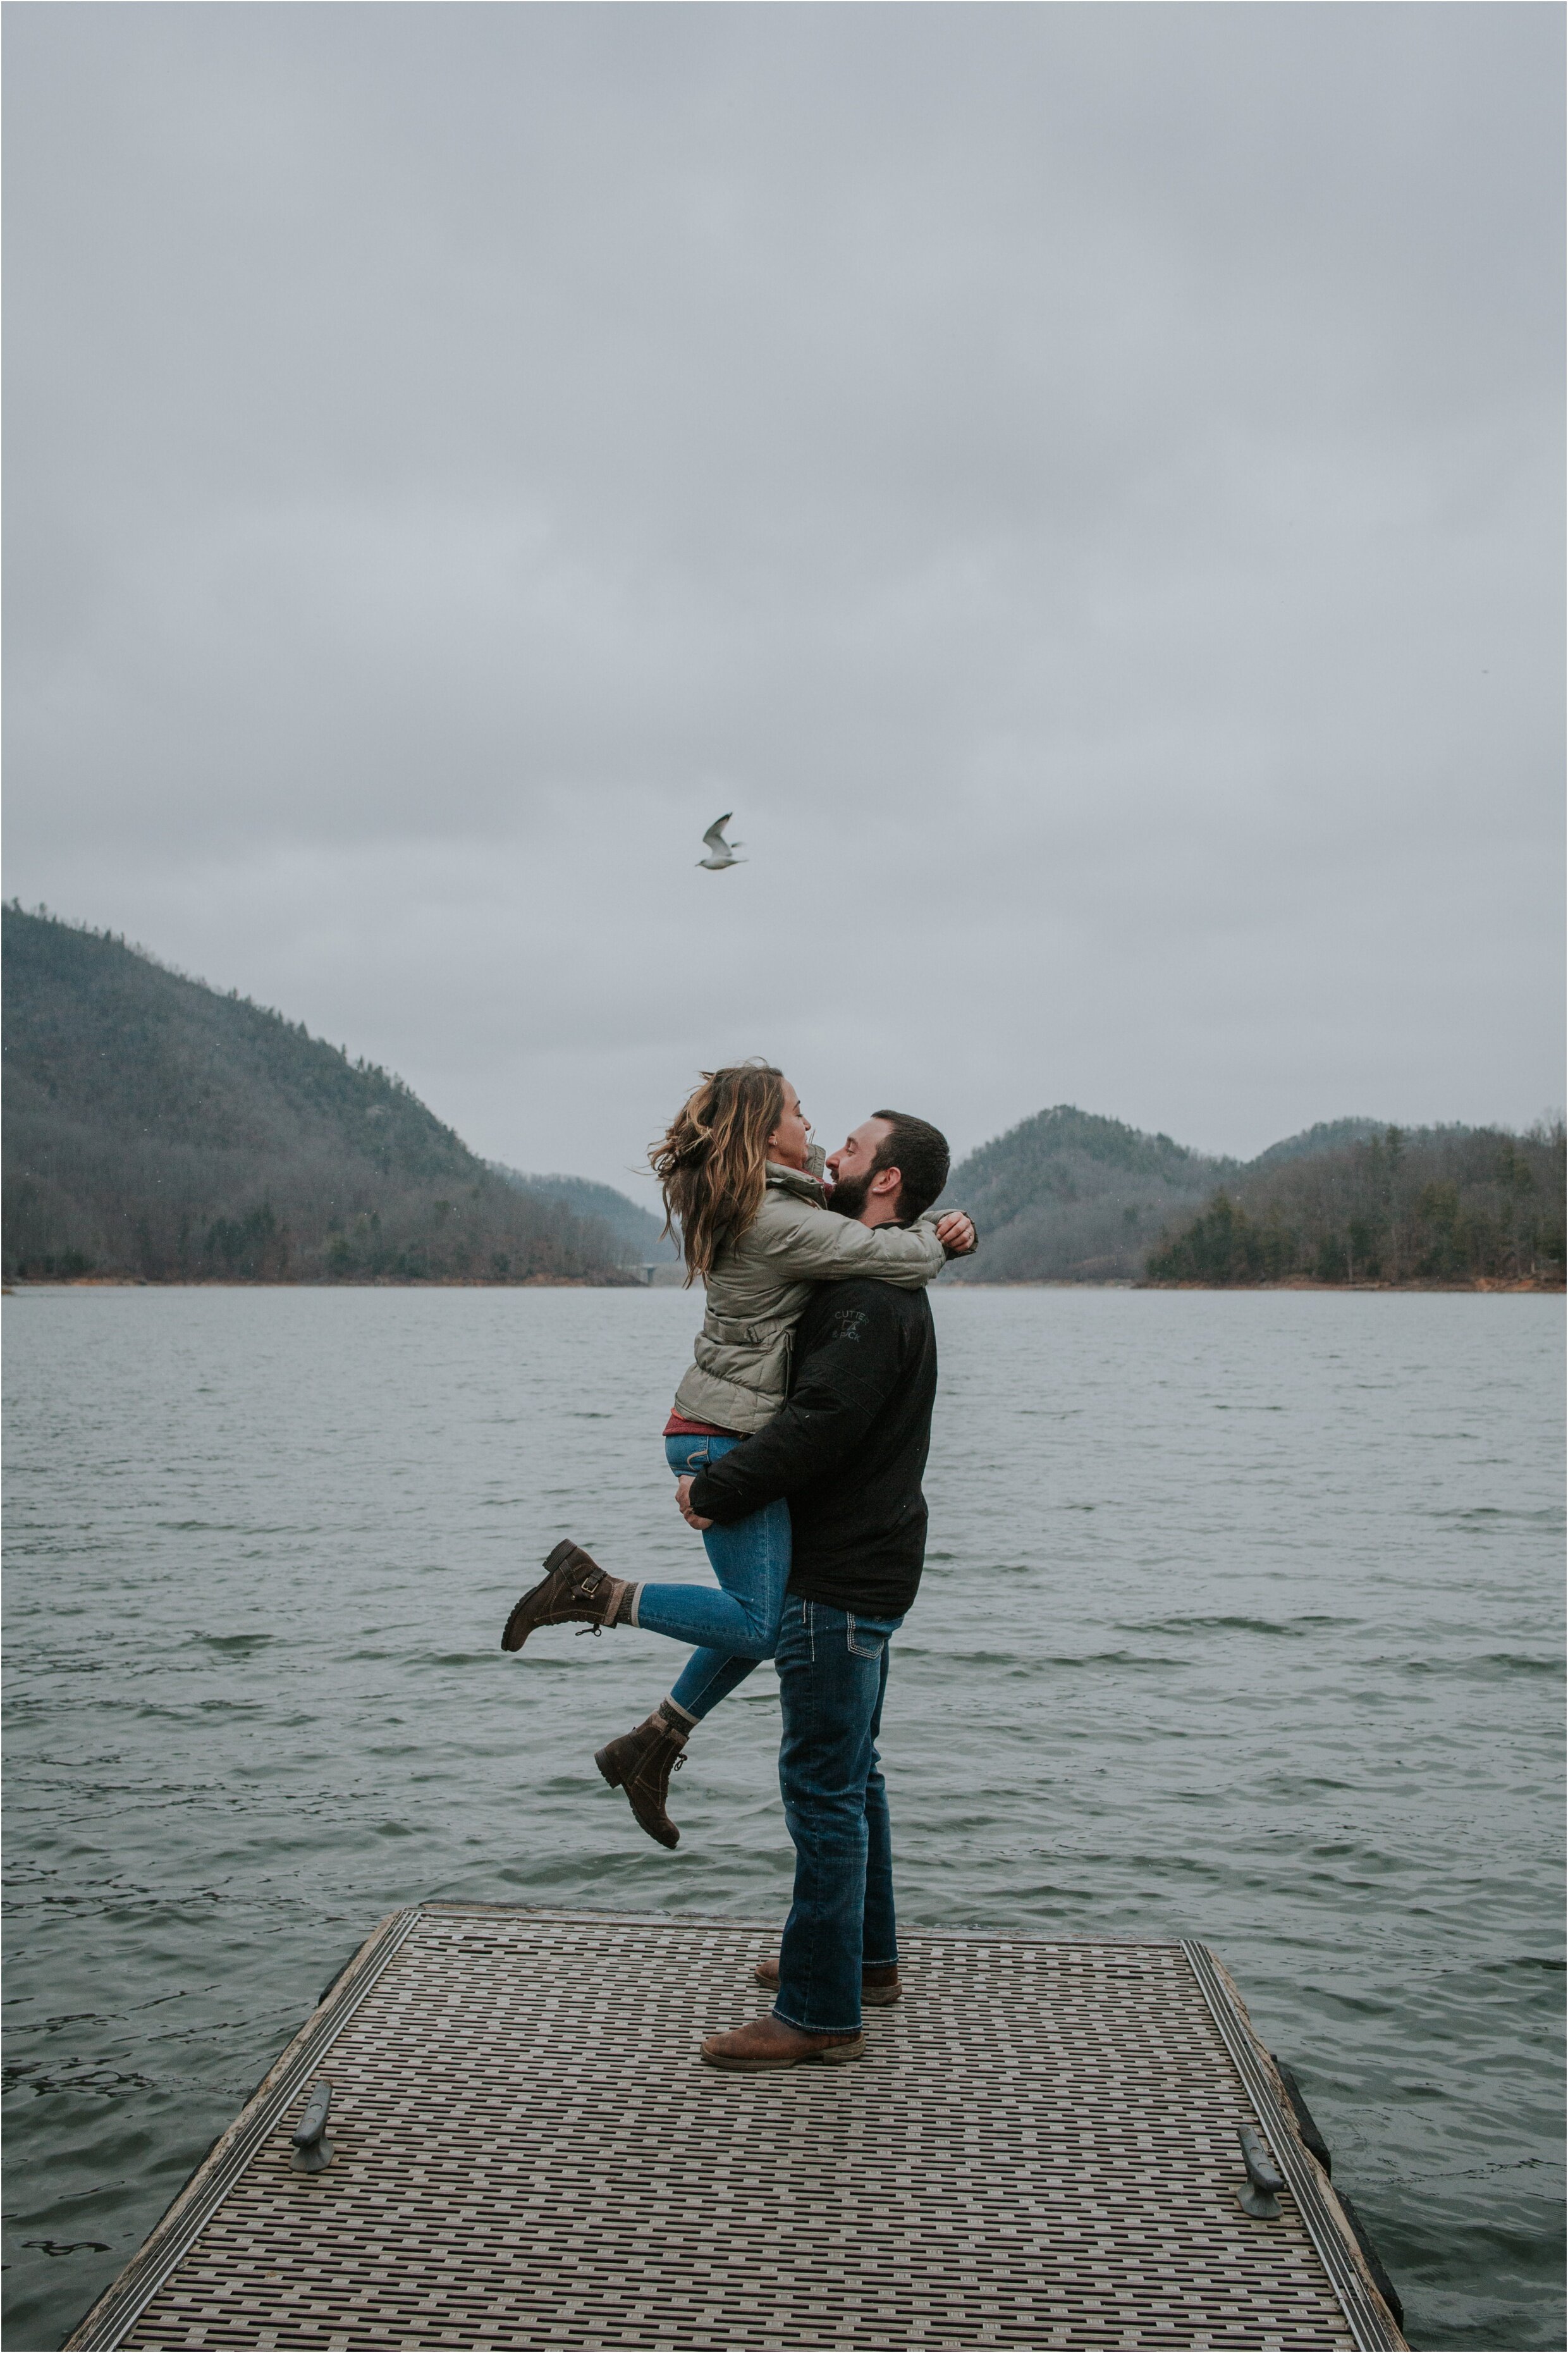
574 1590
641 1763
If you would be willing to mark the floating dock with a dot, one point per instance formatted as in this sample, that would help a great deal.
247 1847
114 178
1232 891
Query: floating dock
1039 2148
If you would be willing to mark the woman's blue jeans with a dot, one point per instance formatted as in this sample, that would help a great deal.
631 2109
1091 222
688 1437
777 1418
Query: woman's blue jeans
739 1624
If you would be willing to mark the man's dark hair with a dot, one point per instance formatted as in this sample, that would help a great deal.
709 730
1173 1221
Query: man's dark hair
919 1154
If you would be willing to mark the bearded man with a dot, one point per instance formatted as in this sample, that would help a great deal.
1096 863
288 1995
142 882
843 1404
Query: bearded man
847 1451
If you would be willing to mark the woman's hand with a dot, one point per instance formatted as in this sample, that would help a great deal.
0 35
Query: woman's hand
956 1234
683 1505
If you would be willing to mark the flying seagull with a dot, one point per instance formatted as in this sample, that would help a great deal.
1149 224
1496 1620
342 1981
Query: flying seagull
721 853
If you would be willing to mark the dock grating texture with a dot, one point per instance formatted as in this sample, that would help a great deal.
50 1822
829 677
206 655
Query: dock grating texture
1039 2149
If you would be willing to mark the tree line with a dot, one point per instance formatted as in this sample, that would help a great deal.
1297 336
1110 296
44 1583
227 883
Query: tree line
1445 1205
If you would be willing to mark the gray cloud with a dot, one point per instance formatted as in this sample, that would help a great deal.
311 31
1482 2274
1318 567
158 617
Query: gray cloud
1082 483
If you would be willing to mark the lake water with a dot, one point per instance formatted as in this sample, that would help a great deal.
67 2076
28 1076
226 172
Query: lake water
1241 1621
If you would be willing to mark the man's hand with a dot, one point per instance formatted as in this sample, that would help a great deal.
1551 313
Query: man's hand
683 1505
956 1234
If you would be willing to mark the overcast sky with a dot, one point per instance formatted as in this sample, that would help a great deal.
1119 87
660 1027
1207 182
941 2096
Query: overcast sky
1082 483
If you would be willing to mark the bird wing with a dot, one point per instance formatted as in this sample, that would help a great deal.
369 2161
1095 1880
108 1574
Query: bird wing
714 837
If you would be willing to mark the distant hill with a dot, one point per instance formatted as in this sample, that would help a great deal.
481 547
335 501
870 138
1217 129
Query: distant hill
642 1232
1328 1136
1432 1205
156 1128
1069 1197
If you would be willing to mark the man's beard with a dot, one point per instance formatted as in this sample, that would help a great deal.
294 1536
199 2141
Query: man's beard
849 1196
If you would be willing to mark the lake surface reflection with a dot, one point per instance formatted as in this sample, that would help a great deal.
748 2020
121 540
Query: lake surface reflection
1240 1621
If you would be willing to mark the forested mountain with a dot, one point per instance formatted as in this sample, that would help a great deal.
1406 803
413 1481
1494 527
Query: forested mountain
1067 1196
1328 1136
1425 1205
642 1232
156 1128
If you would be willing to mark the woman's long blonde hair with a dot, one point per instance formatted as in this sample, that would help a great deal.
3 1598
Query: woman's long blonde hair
711 1162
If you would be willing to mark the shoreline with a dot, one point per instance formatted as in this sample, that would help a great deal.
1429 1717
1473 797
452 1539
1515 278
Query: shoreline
1546 1286
1512 1284
327 1282
1515 1286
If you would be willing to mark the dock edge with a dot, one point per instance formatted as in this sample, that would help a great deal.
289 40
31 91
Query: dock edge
1371 2322
123 2301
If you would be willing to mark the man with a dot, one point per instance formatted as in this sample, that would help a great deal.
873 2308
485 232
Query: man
848 1450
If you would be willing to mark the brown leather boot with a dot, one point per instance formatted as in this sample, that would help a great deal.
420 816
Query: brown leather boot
769 2042
878 1987
641 1763
574 1590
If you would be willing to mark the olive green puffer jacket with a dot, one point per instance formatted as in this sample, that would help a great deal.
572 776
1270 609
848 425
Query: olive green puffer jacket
757 1287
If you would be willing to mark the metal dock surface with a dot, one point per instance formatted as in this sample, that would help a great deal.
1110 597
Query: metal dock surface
1039 2148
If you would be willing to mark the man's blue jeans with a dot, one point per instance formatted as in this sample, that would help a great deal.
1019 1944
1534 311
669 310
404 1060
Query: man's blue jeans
738 1625
833 1672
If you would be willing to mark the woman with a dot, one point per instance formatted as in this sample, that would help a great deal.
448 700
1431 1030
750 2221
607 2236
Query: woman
742 1179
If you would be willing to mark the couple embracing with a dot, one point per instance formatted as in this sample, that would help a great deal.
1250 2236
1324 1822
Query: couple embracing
798 1439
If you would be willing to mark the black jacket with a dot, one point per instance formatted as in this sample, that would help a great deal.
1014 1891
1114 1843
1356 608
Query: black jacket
848 1450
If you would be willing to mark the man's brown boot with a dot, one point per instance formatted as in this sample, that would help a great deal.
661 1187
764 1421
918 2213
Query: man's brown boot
769 2042
641 1763
878 1987
574 1590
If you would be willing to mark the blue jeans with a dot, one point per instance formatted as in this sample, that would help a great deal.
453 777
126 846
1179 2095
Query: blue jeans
833 1673
738 1625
